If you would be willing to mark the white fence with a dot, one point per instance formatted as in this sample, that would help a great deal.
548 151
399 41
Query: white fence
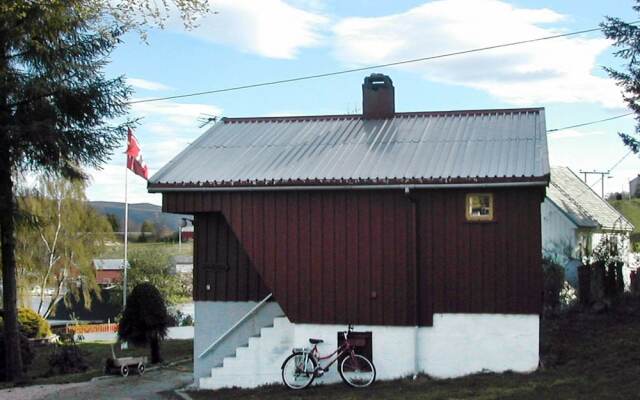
175 332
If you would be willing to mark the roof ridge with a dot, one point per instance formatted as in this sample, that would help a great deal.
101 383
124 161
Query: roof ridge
404 114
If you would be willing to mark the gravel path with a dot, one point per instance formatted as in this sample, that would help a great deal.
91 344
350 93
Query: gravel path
36 391
157 384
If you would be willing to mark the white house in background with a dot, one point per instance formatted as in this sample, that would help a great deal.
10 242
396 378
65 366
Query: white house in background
575 218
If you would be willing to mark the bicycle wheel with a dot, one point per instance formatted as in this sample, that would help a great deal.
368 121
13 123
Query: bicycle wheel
296 373
357 371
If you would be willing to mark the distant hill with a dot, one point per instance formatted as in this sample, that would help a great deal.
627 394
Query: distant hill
138 213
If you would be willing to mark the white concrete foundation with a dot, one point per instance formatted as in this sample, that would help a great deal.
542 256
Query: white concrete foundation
456 345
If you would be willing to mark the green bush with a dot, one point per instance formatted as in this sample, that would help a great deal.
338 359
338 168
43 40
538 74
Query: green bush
67 357
145 319
553 274
25 350
32 324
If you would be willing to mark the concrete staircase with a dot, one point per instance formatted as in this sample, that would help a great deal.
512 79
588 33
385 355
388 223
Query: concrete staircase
258 363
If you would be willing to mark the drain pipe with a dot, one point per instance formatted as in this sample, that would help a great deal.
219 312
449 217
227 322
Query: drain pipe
416 338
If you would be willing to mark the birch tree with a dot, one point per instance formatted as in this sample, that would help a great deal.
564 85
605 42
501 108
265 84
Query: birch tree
55 252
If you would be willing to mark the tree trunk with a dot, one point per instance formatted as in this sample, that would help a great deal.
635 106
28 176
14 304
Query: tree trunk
155 349
13 358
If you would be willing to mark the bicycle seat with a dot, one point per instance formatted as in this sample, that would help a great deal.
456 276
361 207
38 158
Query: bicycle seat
316 341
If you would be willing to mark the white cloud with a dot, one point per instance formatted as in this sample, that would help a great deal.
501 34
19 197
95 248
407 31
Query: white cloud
160 129
161 152
558 70
172 113
573 134
270 28
107 184
146 85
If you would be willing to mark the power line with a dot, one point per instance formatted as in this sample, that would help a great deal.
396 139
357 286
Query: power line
610 169
391 64
620 160
589 123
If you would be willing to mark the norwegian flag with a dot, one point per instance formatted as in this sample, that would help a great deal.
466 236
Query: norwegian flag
134 157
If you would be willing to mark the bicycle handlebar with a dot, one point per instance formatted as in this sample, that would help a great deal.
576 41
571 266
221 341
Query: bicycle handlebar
349 330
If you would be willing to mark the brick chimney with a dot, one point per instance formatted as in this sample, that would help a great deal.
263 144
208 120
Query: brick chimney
378 98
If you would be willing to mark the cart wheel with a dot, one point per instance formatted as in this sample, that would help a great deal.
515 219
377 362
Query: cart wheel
124 370
140 369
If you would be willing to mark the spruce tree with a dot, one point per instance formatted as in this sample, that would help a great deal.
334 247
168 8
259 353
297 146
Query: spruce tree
145 320
626 38
57 109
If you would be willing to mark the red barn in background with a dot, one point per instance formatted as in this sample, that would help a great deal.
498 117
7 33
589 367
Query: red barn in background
186 233
108 271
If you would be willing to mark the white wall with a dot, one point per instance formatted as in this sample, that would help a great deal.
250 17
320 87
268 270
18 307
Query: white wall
456 345
462 344
557 228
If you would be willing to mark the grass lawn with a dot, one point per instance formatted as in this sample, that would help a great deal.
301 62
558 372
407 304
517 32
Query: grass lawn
117 250
96 353
585 356
630 208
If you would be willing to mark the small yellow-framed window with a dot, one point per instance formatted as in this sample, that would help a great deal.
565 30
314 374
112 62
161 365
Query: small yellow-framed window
479 207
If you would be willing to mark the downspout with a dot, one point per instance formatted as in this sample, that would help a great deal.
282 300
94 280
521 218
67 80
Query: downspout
414 255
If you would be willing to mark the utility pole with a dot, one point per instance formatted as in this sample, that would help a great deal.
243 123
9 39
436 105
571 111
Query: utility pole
602 175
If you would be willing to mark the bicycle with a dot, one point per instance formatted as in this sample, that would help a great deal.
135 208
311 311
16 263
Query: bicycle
303 365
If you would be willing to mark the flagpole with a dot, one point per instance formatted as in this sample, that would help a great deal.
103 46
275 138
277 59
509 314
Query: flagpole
126 232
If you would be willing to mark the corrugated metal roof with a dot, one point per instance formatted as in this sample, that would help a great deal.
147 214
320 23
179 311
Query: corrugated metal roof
581 204
429 147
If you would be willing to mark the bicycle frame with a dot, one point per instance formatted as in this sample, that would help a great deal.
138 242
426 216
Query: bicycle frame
345 348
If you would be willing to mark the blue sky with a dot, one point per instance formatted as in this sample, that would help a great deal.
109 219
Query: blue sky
255 41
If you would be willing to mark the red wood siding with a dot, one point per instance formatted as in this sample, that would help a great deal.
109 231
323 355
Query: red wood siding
222 263
479 267
108 276
367 257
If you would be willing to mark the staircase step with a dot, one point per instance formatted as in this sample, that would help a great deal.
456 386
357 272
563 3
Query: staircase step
258 362
280 322
229 381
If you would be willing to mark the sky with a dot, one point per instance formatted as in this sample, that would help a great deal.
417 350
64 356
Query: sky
247 42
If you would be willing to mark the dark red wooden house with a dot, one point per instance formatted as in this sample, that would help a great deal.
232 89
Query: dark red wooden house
421 228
